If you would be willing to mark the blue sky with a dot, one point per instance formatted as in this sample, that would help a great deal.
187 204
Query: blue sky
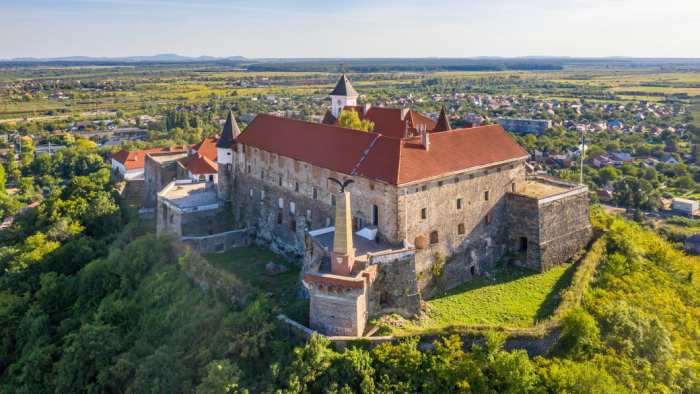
359 28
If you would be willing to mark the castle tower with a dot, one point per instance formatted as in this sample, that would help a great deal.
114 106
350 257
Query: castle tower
339 285
343 94
225 149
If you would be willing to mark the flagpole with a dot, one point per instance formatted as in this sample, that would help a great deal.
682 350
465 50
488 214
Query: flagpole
583 151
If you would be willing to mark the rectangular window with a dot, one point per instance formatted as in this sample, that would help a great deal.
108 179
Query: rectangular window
424 188
424 213
314 193
333 200
296 187
293 225
279 180
434 238
487 219
459 203
248 168
280 218
512 187
460 229
487 195
262 174
262 195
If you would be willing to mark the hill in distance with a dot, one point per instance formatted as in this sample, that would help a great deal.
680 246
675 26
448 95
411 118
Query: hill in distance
168 57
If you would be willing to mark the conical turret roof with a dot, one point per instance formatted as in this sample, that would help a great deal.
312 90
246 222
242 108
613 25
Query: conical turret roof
231 131
443 124
343 88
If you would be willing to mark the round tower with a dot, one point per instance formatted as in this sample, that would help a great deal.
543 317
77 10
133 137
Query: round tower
225 149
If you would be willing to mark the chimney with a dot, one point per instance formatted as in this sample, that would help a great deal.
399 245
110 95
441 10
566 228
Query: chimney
404 112
189 150
425 136
366 107
343 255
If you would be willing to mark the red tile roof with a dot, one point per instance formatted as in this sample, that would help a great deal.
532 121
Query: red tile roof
387 121
207 148
393 160
199 164
327 146
137 159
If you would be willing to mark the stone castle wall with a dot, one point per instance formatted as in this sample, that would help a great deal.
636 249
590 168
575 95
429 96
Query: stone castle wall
220 242
483 242
282 209
333 313
397 280
157 175
198 223
565 228
524 222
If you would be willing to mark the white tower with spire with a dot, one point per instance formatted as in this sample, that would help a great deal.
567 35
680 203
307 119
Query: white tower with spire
343 94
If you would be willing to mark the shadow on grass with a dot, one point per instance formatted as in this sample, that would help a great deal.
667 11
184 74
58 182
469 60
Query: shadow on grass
504 274
553 298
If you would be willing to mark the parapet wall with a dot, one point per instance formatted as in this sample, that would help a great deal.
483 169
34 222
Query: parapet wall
220 242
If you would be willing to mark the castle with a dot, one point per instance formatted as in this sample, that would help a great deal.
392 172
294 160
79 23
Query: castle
429 207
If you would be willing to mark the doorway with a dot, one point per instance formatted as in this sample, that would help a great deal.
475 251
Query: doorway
522 244
375 215
359 221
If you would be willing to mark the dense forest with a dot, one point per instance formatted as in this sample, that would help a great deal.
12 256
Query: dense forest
401 65
90 301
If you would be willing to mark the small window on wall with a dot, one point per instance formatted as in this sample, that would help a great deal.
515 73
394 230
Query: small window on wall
460 229
293 225
424 213
333 202
487 195
262 195
384 298
279 180
434 239
251 193
296 187
487 219
280 218
512 187
459 203
314 193
262 174
248 168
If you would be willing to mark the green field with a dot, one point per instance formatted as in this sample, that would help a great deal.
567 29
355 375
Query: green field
514 298
248 265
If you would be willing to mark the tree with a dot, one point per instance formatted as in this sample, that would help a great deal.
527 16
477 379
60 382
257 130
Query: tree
631 192
3 179
607 174
580 334
26 185
351 120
